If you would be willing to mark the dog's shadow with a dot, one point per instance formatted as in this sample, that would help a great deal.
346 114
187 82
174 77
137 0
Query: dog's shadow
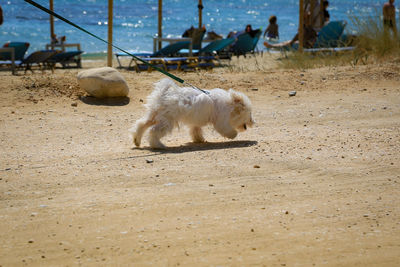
109 101
192 147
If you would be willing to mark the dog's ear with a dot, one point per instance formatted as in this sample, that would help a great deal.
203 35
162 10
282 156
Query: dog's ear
237 98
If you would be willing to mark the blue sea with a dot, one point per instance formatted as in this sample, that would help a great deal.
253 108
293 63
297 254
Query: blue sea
135 21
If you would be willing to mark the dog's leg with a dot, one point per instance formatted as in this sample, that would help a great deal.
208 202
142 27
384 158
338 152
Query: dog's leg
197 134
157 131
140 127
225 130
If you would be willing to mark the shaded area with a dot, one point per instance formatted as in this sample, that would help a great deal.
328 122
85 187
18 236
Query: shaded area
192 147
110 101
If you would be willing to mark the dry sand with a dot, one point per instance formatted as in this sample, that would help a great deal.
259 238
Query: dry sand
315 182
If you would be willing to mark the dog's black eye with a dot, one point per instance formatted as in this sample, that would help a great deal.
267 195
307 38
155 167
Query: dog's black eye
244 126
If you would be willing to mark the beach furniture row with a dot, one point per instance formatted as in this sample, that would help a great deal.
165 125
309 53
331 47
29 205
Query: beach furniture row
12 55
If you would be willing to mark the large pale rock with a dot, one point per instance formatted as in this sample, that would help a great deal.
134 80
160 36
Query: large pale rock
103 82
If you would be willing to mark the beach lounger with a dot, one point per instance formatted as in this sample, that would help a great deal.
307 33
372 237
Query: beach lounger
330 39
66 59
174 63
217 48
330 34
329 49
245 44
12 53
39 59
20 49
167 51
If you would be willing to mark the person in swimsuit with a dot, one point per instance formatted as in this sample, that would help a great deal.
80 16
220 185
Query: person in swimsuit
389 16
272 30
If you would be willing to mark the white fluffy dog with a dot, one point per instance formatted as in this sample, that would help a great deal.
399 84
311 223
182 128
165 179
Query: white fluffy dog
168 105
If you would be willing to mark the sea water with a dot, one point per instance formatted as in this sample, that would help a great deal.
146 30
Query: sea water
135 22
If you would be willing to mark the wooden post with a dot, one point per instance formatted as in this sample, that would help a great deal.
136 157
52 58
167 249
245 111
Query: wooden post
321 13
301 25
51 21
200 6
159 22
110 33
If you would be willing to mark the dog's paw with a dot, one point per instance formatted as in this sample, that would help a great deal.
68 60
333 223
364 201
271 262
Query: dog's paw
197 141
231 135
156 144
136 141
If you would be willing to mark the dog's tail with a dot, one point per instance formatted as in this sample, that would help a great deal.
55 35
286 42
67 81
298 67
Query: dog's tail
161 89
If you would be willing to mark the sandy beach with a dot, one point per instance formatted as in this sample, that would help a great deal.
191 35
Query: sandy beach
314 183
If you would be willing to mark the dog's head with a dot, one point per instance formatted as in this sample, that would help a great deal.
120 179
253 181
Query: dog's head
241 111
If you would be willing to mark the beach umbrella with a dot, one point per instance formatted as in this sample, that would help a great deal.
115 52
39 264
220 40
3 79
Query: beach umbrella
51 20
301 22
110 33
159 22
200 7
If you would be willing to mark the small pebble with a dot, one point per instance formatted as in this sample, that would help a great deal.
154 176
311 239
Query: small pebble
256 166
254 89
292 93
149 161
74 104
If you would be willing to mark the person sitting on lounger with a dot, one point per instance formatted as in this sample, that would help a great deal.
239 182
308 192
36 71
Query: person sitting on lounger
248 29
55 40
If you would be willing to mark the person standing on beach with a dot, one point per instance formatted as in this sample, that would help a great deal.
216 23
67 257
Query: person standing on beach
389 16
272 31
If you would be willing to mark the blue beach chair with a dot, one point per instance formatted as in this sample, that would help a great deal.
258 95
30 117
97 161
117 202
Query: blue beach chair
39 59
167 51
245 44
330 34
66 58
331 39
20 49
174 63
216 46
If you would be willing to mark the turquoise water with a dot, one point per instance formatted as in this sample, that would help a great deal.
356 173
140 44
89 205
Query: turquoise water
135 21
